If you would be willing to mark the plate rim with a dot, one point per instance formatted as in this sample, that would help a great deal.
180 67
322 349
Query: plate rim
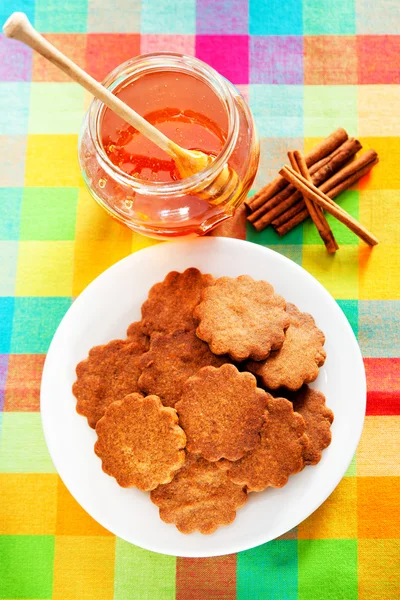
238 547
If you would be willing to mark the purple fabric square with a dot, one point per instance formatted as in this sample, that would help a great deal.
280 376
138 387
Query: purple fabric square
3 377
223 16
276 60
228 54
15 60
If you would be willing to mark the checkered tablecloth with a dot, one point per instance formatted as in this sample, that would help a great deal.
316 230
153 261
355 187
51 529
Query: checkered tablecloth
305 68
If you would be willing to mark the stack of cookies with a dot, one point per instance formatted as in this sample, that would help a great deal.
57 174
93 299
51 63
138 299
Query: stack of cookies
207 399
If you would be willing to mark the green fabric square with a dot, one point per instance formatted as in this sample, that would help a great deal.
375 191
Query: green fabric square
138 569
350 309
329 17
56 108
327 107
349 201
294 252
53 16
26 566
23 448
10 209
269 237
48 214
35 322
328 569
268 571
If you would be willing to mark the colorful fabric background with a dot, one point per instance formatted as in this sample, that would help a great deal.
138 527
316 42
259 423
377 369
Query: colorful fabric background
305 68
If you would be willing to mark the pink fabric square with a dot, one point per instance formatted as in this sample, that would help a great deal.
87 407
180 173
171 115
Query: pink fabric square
15 60
228 54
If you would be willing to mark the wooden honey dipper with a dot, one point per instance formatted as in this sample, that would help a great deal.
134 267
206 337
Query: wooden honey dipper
226 184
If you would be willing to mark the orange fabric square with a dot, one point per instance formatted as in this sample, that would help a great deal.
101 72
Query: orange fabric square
105 51
378 450
30 501
71 44
330 60
72 519
378 566
83 568
23 382
378 507
336 518
378 59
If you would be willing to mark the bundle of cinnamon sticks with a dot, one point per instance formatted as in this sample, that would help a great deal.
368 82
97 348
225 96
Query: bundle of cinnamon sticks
329 167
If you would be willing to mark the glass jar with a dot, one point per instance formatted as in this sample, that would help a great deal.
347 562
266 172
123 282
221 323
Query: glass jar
177 208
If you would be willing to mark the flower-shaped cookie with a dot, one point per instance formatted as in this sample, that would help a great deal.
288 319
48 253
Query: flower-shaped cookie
135 334
242 317
199 498
109 373
299 358
140 442
170 303
221 412
310 404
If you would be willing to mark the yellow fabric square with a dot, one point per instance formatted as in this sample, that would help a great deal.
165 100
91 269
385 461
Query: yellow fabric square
386 174
30 501
378 450
52 160
94 223
140 241
94 257
378 564
379 211
376 113
84 568
72 519
380 273
45 268
338 272
336 518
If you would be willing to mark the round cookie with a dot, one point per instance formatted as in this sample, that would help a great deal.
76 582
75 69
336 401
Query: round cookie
310 404
242 317
199 498
135 334
109 373
170 304
299 358
171 360
221 411
278 454
140 442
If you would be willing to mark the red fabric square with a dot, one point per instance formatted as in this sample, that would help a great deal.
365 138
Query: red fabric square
105 51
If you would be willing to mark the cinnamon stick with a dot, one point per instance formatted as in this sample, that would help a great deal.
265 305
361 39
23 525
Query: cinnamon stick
315 195
316 212
325 148
296 208
274 207
292 222
357 169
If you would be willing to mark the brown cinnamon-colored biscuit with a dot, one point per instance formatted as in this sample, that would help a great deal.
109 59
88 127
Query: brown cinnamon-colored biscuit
170 303
171 360
279 452
135 334
140 442
310 404
109 373
199 498
242 317
221 412
299 358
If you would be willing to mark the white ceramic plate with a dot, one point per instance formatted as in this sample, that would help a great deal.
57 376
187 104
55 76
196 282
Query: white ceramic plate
104 311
